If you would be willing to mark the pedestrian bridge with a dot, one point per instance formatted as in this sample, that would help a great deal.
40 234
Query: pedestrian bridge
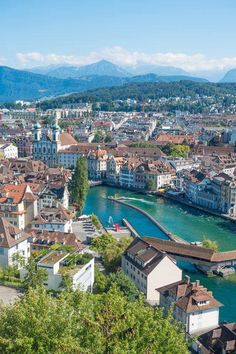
205 259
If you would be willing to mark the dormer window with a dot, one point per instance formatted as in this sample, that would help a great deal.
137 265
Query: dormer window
9 200
202 303
16 236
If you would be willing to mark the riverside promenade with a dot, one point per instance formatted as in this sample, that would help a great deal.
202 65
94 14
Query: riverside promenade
170 235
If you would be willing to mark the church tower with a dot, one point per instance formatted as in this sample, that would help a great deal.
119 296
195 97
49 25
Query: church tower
56 132
37 132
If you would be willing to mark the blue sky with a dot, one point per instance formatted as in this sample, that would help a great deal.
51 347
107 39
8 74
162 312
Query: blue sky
193 34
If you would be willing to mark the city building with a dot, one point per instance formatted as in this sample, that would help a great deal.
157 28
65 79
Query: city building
97 164
45 239
149 269
194 305
57 265
127 170
219 340
25 146
46 146
158 172
18 204
14 245
53 219
114 165
8 151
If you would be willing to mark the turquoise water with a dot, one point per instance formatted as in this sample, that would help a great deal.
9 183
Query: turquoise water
188 223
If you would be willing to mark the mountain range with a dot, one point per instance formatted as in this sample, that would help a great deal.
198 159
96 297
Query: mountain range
46 82
101 68
27 85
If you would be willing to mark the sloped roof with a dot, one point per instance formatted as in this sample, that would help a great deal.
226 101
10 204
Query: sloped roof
7 233
67 139
146 254
188 296
15 192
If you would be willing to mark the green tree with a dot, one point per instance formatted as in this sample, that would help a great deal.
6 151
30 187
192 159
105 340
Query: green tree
18 260
174 150
98 137
96 221
79 185
150 186
108 138
101 281
211 244
110 250
123 284
34 277
102 242
75 322
66 283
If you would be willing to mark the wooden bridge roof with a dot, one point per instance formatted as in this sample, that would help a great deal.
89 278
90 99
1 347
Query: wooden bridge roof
191 251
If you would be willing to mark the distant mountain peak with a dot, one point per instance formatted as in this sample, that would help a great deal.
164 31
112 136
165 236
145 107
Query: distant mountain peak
230 76
100 68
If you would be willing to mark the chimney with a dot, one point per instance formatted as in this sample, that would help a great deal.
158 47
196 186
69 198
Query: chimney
197 283
187 279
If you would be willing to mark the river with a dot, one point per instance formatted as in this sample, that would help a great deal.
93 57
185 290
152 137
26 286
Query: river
188 223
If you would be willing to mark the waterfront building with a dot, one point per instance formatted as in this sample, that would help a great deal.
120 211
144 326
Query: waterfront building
159 172
127 170
14 242
114 165
97 164
149 269
180 164
194 305
194 181
18 204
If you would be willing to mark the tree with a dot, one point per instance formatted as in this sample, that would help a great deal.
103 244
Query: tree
108 138
111 250
98 136
34 277
150 186
212 245
174 150
75 322
66 283
101 243
95 221
18 260
123 284
79 185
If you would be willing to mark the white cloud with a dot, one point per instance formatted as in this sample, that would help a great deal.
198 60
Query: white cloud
120 56
2 61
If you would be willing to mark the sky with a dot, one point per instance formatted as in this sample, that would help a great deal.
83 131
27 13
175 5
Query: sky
192 34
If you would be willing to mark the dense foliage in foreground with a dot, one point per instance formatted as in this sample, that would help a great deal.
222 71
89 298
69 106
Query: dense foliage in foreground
77 322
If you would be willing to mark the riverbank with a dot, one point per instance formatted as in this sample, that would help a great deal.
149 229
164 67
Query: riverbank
183 201
189 223
177 199
170 235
